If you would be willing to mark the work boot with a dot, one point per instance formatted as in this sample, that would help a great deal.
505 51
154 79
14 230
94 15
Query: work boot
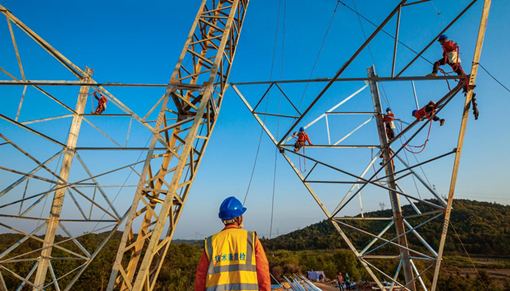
441 122
432 75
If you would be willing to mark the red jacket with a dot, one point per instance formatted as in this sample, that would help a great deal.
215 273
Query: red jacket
302 137
388 118
421 114
263 277
448 47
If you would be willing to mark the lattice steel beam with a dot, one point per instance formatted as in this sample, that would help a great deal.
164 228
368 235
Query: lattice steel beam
165 182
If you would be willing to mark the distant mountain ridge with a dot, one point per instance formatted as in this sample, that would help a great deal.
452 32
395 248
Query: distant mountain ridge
483 227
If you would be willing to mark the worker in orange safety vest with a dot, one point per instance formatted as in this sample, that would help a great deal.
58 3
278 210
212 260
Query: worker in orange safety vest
302 138
233 259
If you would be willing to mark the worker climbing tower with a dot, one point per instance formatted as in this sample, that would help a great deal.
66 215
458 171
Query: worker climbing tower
412 258
52 255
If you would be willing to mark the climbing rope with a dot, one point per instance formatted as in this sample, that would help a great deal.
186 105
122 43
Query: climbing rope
424 145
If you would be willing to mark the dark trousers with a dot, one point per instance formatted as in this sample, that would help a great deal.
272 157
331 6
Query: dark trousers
456 67
389 132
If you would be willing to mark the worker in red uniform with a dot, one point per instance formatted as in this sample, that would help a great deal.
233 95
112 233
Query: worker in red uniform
428 111
302 138
101 103
340 281
233 259
450 56
388 122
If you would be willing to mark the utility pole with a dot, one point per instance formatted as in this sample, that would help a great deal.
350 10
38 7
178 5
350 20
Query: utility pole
390 180
162 192
65 169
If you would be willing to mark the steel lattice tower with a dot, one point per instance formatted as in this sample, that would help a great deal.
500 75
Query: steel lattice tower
184 118
394 237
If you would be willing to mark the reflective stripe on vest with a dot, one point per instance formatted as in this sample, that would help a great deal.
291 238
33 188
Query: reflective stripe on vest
232 264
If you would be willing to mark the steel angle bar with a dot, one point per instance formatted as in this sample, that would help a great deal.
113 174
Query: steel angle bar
350 113
362 179
24 280
422 240
262 98
396 275
403 234
408 168
419 276
99 187
40 90
30 175
386 241
77 243
462 131
353 186
415 208
46 46
277 115
329 111
286 97
352 146
353 131
56 245
30 130
53 277
19 242
46 119
384 274
375 239
357 254
396 43
342 69
444 100
426 185
362 218
17 52
441 211
435 38
359 79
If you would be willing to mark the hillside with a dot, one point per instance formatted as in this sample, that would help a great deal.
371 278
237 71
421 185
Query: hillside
483 227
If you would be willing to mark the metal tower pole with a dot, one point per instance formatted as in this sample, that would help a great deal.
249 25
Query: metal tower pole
58 199
390 180
462 132
161 196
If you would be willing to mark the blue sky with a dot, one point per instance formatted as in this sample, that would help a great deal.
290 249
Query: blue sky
133 43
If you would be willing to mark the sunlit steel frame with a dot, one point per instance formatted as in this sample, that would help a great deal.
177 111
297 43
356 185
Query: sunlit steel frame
162 192
403 227
197 93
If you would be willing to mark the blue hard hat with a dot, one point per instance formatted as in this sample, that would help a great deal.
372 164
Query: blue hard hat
414 111
301 129
442 36
388 109
231 208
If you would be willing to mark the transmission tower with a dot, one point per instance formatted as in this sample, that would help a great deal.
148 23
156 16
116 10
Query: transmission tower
396 238
178 126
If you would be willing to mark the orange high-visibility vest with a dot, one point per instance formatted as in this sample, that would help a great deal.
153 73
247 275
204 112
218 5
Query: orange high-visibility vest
232 264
